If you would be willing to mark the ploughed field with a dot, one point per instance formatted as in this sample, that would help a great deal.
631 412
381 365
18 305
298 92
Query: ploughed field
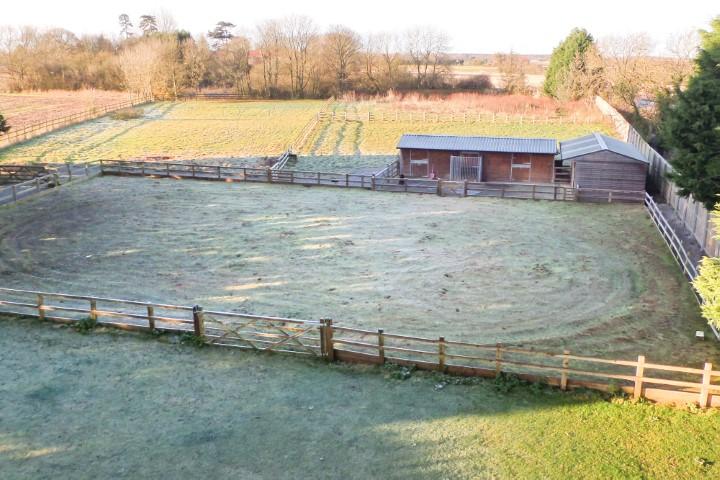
28 108
593 278
204 130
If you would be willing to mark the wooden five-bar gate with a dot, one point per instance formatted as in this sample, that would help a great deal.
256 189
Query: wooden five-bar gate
323 338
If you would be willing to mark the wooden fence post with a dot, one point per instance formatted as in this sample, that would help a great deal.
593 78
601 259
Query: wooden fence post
565 365
610 197
151 317
93 310
269 175
441 353
498 359
439 187
37 184
465 188
705 387
198 321
167 169
69 170
40 303
639 371
87 172
372 182
14 193
381 346
326 345
192 166
347 180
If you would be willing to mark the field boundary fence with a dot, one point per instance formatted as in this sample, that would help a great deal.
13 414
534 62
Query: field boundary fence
56 178
302 137
694 216
31 131
335 342
452 117
228 173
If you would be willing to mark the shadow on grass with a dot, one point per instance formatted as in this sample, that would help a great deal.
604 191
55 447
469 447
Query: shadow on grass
127 406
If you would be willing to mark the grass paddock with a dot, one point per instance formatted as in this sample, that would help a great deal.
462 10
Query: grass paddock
117 405
596 279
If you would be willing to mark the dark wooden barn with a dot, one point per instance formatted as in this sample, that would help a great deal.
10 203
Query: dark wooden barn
604 168
478 159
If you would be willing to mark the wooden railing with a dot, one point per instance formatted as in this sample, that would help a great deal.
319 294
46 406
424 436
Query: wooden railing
37 129
322 338
605 195
346 180
392 170
10 174
282 160
454 117
671 239
214 96
60 176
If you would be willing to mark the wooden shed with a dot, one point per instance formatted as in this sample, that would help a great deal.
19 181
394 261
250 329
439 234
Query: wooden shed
478 159
605 169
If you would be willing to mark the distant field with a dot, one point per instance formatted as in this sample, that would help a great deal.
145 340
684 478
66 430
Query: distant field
340 137
221 131
181 130
22 109
494 115
493 73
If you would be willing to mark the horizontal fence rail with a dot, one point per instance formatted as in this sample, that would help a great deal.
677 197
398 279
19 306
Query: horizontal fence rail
346 180
37 129
322 338
60 176
454 117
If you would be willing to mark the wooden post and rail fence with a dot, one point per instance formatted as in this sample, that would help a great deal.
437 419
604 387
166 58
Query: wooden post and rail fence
324 338
227 173
16 135
55 178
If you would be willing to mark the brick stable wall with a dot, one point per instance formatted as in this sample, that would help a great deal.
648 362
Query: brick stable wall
496 166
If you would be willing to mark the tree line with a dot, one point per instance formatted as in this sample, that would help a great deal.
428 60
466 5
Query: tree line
286 57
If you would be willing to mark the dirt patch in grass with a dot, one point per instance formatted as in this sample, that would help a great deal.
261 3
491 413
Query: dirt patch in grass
593 278
125 406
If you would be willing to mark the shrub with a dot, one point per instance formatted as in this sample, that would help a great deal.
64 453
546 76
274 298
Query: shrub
127 114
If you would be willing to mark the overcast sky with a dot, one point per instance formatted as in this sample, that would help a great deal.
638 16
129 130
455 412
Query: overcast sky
525 26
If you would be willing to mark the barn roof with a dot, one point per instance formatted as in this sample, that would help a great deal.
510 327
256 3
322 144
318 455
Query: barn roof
597 142
479 144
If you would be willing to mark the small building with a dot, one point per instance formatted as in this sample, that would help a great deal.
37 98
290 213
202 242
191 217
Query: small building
478 159
604 168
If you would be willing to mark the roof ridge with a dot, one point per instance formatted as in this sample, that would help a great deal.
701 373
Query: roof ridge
600 140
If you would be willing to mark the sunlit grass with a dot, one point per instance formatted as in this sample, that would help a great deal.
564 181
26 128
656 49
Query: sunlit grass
116 405
181 130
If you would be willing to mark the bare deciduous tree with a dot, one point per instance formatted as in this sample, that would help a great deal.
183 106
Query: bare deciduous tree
341 49
626 66
270 41
299 35
426 47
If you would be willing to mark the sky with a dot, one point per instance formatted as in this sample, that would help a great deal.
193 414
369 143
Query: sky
525 26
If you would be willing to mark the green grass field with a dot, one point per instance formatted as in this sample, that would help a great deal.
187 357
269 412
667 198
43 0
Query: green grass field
125 406
181 130
380 137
